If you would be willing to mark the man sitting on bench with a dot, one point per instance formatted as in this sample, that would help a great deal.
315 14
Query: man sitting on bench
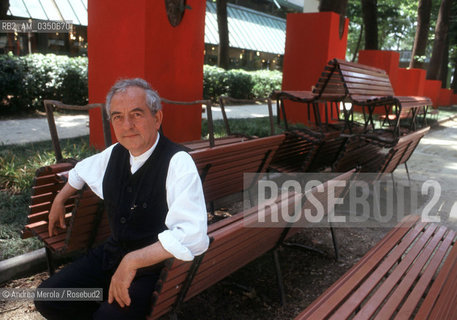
154 199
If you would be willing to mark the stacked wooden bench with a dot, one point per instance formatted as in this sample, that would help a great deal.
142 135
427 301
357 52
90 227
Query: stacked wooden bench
410 274
369 88
378 156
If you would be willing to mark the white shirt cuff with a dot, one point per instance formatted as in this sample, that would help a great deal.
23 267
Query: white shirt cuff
173 246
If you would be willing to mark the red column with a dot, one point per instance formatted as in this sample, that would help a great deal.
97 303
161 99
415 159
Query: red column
134 39
445 97
386 60
432 90
410 82
312 39
454 99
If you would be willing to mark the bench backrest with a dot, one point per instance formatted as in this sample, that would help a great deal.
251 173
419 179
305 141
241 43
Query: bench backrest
221 168
84 212
342 79
296 152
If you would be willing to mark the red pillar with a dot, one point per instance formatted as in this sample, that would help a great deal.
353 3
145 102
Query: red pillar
134 39
312 39
386 60
445 97
454 99
432 90
410 82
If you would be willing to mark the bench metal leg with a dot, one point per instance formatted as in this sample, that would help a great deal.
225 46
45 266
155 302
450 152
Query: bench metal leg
50 263
407 172
282 294
335 244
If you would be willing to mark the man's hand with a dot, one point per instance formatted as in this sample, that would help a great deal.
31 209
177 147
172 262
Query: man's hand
57 212
56 218
120 283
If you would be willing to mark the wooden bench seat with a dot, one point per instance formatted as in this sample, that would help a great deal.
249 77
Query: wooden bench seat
409 274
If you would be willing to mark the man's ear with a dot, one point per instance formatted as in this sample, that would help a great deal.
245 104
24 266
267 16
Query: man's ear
158 117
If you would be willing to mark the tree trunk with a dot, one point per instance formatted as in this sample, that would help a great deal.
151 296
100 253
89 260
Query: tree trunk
222 23
338 6
370 16
444 69
420 41
439 44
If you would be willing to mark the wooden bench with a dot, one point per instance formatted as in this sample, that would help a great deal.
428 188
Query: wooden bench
84 210
236 241
86 221
410 274
374 155
369 88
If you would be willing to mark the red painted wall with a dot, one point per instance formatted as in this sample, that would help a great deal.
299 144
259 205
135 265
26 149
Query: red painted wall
410 82
134 39
432 90
454 99
312 39
444 99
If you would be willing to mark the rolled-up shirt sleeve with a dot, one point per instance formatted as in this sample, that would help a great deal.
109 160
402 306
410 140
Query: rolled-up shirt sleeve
186 220
91 171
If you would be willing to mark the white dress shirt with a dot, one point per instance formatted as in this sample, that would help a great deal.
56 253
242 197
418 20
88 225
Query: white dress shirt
186 219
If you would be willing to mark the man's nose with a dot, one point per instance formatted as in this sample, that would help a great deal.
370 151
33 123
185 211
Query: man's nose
127 123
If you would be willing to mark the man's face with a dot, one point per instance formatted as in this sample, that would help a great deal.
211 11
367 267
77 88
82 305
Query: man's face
134 124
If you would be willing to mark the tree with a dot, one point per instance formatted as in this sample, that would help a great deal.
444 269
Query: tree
370 20
338 6
439 44
222 23
420 40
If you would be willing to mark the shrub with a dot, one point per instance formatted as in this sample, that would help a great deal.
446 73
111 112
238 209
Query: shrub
27 81
239 84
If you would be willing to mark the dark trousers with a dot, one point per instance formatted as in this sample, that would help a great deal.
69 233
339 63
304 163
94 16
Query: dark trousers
88 272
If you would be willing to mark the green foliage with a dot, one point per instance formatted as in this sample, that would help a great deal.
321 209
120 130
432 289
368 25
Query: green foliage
259 127
26 81
239 84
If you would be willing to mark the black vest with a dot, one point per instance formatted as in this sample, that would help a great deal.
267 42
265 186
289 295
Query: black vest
136 204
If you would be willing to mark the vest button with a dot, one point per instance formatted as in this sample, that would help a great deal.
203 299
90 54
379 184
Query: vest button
145 205
123 220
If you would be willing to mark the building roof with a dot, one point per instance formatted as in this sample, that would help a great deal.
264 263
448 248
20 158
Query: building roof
248 29
68 10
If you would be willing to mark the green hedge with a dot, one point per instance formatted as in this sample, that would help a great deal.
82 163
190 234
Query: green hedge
26 81
239 84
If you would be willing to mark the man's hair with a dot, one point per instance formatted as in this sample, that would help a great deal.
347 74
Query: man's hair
152 97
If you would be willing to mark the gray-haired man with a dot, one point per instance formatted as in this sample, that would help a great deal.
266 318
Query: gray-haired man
155 206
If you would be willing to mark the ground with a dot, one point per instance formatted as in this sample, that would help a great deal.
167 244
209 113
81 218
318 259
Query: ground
251 293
